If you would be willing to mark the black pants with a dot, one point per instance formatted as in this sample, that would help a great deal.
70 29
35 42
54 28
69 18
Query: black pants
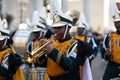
112 70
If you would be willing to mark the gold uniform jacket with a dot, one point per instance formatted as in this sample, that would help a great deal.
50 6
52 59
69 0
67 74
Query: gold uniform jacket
112 41
19 74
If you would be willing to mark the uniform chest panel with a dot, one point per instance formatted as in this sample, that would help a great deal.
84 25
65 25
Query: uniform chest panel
115 40
63 47
55 69
83 38
115 47
3 53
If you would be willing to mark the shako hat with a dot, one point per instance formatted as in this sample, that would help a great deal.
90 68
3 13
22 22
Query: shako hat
60 20
116 17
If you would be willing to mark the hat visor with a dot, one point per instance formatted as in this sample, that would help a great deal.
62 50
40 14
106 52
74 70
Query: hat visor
3 37
60 24
81 26
5 32
38 30
116 20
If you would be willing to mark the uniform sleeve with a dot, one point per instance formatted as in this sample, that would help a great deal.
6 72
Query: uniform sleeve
94 46
106 45
106 41
84 50
3 71
15 61
67 63
41 61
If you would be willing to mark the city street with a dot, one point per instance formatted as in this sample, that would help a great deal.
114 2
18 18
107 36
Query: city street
98 67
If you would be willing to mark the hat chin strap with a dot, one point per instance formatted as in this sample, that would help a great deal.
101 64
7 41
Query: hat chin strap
84 32
66 29
40 34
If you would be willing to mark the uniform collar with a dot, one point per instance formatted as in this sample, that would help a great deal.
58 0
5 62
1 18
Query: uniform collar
67 38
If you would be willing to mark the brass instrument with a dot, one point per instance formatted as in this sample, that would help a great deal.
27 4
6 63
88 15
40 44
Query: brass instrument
29 57
41 47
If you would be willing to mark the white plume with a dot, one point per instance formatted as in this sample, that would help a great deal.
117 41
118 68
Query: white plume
42 13
54 8
113 7
83 20
35 17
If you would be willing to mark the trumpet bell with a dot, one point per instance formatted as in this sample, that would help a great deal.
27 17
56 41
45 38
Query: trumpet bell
31 57
27 54
28 57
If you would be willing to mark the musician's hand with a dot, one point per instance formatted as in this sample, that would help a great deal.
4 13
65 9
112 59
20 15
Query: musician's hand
48 48
108 52
108 55
91 57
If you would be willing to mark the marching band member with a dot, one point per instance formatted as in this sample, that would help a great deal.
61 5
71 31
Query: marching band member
9 61
111 45
80 29
61 64
65 56
39 32
61 54
82 35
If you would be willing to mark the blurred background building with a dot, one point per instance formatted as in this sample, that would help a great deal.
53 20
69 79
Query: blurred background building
97 12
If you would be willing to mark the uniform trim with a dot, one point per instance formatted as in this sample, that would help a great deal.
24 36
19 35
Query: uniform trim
71 50
58 58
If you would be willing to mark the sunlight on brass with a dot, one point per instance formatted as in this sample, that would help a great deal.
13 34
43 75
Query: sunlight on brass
41 47
30 57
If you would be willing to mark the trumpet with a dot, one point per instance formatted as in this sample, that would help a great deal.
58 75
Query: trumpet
29 57
41 47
